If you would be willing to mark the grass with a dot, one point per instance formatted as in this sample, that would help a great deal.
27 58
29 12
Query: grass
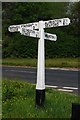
18 101
55 62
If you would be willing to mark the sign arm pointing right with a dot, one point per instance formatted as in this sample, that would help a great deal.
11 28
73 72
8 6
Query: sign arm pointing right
56 22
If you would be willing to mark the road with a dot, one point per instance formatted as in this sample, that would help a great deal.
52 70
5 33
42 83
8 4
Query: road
56 78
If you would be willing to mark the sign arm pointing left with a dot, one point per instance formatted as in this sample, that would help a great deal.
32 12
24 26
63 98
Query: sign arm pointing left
16 28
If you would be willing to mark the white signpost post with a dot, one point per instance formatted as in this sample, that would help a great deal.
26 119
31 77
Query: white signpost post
29 30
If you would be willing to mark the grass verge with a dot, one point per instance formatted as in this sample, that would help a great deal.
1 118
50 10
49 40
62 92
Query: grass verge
56 62
18 101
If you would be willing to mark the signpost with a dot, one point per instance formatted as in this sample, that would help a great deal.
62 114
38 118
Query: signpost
29 30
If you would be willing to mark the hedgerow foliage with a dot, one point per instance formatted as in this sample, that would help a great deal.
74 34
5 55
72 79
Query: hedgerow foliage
15 45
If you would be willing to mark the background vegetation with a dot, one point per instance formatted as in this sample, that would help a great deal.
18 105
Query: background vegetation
17 46
55 62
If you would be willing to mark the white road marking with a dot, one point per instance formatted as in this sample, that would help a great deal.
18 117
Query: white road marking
51 86
53 68
65 90
73 88
20 71
65 69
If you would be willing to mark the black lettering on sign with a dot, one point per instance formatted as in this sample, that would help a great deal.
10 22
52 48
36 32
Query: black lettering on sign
48 24
60 21
28 25
33 27
36 35
65 22
52 23
46 35
55 23
25 32
22 25
32 31
13 29
50 36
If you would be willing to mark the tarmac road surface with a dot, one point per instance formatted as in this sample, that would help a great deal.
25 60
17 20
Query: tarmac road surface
61 79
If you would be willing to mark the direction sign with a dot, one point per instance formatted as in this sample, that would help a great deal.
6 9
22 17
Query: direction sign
35 25
49 36
29 32
35 33
16 28
56 22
